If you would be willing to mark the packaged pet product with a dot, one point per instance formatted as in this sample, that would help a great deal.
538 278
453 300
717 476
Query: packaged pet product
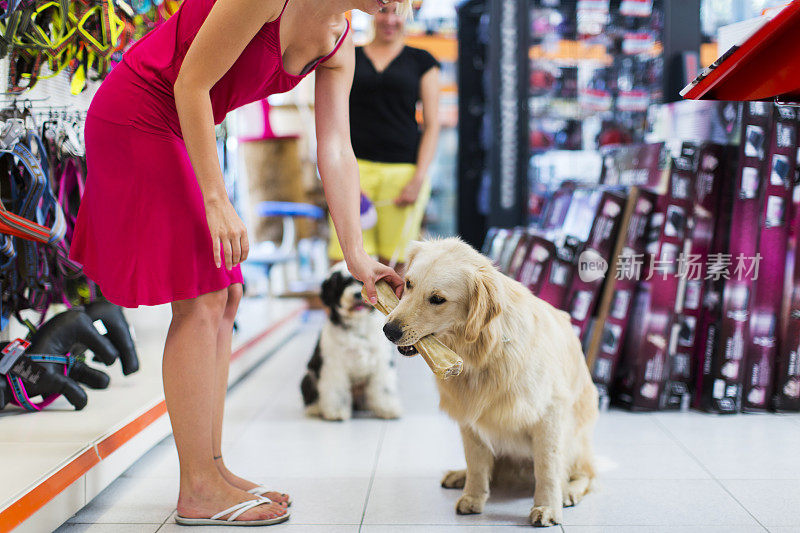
642 369
714 172
786 390
643 165
518 257
775 209
555 211
646 358
535 269
509 248
614 311
592 263
786 394
727 328
495 242
555 285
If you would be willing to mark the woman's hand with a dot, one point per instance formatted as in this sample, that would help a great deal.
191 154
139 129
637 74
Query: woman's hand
410 193
368 271
226 228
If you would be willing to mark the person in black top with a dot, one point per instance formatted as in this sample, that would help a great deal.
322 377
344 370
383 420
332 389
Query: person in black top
393 151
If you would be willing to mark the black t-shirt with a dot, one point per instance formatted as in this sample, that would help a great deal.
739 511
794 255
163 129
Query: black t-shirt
383 125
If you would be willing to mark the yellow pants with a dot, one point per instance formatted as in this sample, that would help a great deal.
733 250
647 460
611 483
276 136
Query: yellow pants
382 183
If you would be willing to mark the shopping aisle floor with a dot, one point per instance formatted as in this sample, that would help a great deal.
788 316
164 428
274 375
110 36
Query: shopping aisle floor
671 472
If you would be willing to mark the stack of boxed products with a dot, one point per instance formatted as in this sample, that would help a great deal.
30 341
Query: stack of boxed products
678 269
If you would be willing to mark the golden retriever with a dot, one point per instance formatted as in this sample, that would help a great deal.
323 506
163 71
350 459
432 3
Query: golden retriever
525 401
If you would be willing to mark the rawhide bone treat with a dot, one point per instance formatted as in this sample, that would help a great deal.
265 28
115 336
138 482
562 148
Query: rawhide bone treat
444 362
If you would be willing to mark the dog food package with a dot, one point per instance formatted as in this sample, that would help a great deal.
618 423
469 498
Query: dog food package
768 282
496 240
643 368
786 390
555 211
786 395
509 247
714 171
488 242
614 310
518 255
535 268
592 264
728 333
641 165
646 360
555 285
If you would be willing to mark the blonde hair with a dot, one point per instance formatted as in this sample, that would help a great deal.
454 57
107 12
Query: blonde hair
405 10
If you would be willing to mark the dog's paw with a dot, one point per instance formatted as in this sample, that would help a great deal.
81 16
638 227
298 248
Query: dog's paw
336 415
454 479
388 411
545 516
467 504
573 494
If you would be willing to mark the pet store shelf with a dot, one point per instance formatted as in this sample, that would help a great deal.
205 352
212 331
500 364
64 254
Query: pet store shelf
55 461
762 67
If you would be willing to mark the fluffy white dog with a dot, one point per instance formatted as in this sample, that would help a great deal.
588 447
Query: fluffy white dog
351 366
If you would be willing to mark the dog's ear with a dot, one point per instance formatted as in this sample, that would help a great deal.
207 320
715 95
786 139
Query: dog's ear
332 289
484 305
413 249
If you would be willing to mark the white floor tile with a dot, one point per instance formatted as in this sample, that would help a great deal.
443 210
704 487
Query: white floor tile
132 501
286 527
774 502
307 448
615 427
665 460
444 529
738 446
664 529
658 503
421 501
421 446
108 528
325 500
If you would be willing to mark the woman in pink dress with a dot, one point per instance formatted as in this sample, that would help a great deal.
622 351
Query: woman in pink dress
156 226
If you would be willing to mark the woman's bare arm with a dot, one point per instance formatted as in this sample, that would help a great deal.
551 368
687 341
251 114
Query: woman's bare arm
227 30
338 168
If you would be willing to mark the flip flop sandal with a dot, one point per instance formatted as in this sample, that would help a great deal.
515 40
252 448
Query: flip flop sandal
235 512
260 491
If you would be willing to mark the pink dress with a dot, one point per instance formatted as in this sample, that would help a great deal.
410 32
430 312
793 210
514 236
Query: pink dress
141 232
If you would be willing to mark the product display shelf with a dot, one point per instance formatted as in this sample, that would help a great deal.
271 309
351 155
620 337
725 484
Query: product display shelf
762 67
55 461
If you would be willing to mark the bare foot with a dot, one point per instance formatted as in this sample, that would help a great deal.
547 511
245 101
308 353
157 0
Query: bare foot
203 498
241 483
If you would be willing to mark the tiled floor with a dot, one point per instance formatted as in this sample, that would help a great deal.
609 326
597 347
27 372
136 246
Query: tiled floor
665 472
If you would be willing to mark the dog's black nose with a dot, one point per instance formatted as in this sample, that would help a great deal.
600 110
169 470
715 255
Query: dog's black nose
357 296
392 331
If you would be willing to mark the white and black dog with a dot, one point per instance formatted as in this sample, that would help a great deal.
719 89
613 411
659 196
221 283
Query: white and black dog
351 365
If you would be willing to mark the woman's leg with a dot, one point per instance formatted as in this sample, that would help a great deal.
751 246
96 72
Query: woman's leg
188 371
221 365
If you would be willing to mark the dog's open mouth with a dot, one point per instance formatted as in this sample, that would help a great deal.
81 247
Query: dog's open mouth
358 307
408 351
